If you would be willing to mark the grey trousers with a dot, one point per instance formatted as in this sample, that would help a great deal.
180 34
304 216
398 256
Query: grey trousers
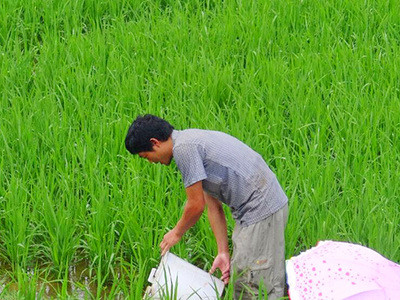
258 258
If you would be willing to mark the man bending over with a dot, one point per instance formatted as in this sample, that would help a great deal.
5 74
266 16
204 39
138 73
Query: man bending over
218 168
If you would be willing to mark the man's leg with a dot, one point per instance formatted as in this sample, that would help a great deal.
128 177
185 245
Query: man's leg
259 257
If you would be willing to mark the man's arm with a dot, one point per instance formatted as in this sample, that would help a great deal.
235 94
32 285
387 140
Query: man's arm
193 209
217 220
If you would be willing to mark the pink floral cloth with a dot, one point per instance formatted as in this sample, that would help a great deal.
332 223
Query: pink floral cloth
338 270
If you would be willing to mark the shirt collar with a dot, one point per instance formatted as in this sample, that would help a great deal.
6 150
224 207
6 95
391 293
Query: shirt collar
174 135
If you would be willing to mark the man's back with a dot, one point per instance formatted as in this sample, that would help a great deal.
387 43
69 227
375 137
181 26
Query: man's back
230 171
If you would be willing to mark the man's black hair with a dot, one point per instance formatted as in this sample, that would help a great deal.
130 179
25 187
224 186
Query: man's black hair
143 129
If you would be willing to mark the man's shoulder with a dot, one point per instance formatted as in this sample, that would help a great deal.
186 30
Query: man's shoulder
193 136
195 141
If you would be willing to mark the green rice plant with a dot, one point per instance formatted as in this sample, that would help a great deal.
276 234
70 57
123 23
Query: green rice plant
28 284
102 241
133 278
17 231
63 236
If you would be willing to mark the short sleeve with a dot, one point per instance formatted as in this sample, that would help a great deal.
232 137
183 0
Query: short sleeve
189 160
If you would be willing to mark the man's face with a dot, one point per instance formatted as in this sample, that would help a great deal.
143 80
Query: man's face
161 153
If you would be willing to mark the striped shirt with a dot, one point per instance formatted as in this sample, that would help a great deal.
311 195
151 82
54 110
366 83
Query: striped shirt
230 171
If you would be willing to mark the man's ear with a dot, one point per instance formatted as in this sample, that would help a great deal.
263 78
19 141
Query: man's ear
155 142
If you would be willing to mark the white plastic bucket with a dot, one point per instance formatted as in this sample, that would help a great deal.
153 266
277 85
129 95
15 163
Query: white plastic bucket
175 278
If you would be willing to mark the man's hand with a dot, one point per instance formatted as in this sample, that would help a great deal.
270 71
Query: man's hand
222 262
169 240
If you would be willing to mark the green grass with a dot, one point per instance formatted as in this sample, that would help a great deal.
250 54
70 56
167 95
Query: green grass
312 86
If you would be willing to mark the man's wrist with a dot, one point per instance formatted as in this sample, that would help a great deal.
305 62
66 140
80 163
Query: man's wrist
179 233
223 252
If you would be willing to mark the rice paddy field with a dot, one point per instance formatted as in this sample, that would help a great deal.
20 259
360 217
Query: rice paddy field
313 86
